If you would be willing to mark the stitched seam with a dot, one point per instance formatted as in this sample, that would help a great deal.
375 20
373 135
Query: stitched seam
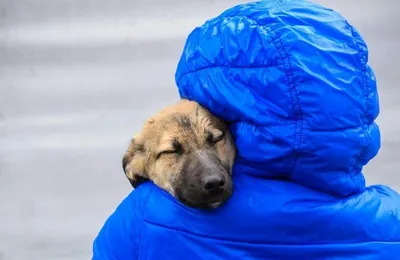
294 96
266 66
366 89
338 129
260 243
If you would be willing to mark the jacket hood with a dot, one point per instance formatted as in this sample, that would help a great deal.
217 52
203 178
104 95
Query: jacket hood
292 79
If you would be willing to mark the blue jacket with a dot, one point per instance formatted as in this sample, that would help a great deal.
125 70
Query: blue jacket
292 80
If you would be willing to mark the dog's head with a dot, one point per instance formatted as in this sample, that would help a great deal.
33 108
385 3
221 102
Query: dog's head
186 151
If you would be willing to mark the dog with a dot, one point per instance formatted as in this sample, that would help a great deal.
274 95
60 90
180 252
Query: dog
186 151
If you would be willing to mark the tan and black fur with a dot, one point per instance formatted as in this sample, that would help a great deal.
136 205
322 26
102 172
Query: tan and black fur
186 151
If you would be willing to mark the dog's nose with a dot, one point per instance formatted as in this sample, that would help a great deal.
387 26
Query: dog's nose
213 183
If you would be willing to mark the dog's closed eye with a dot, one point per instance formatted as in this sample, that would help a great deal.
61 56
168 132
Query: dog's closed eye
166 152
175 148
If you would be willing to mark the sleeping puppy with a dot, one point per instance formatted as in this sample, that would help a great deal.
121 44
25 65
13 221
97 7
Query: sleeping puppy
186 151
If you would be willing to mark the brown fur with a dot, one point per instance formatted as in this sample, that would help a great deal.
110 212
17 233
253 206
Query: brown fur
174 145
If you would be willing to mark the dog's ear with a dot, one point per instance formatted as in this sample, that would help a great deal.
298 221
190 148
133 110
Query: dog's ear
133 163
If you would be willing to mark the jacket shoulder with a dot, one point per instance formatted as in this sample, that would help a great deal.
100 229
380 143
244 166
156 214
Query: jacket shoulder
388 204
372 215
119 237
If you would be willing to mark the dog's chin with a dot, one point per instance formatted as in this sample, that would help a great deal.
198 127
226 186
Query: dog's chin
203 204
215 205
206 204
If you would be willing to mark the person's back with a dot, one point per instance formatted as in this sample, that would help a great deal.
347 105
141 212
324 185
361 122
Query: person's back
292 80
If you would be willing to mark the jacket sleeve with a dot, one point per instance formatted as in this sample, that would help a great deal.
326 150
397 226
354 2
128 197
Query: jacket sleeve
119 237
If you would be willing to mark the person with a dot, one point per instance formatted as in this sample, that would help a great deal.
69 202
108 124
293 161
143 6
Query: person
292 80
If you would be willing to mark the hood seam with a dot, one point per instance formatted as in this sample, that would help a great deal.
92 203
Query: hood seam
366 90
294 96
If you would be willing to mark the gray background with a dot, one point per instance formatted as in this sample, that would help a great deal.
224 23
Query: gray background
79 77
